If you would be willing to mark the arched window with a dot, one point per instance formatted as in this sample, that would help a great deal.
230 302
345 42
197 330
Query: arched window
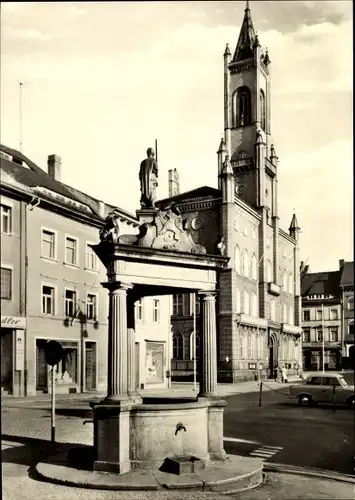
237 300
351 303
268 272
254 307
253 267
262 110
237 259
242 107
272 310
290 316
245 305
241 345
250 346
284 313
245 264
284 281
178 346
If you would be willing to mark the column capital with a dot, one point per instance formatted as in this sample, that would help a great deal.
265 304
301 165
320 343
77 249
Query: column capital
207 295
117 286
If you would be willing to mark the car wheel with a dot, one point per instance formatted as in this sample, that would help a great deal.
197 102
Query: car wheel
305 400
351 403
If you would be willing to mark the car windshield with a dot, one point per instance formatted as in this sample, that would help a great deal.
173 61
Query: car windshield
343 382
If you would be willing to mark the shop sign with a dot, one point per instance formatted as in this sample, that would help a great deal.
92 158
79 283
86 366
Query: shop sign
13 322
20 350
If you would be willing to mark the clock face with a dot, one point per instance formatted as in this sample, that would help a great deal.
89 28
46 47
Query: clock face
240 189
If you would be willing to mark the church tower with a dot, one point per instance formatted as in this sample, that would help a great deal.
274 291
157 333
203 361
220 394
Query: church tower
247 125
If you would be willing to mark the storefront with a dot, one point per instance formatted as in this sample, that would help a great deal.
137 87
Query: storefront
13 355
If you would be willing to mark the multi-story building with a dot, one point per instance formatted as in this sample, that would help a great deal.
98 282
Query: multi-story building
259 292
51 285
327 318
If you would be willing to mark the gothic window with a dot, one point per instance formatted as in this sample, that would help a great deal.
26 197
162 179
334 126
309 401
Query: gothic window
246 307
262 110
245 264
254 305
253 267
237 259
242 107
178 346
237 300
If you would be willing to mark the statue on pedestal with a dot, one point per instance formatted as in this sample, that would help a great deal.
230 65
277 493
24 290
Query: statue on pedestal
148 177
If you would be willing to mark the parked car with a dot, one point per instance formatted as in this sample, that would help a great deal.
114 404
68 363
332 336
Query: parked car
319 388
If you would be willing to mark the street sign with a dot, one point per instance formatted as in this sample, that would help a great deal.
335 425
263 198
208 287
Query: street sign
53 352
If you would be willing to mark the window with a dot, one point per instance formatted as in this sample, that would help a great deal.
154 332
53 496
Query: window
272 310
139 310
245 264
6 219
241 345
306 335
306 316
70 303
315 381
351 327
156 311
243 107
250 346
47 300
334 334
237 300
319 314
91 259
237 259
253 267
319 335
178 346
351 303
284 313
290 316
71 251
333 314
245 305
268 272
262 110
48 244
91 307
6 283
254 305
181 304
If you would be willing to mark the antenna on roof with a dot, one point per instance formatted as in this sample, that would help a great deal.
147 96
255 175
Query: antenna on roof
156 149
20 114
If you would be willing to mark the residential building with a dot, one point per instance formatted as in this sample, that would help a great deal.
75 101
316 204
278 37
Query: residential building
327 317
51 286
259 293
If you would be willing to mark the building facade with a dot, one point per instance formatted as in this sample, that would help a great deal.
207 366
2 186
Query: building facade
51 286
259 324
328 318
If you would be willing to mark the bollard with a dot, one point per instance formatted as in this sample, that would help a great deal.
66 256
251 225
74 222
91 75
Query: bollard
260 391
333 397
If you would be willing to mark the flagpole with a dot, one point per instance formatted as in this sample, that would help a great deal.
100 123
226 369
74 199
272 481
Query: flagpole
323 364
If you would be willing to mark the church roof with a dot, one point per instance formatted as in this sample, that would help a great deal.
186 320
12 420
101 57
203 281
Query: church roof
247 38
201 192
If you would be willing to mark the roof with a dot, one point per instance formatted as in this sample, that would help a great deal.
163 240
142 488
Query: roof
201 192
325 283
347 275
247 38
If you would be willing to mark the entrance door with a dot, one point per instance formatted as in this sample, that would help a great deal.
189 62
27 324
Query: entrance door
137 364
90 366
6 359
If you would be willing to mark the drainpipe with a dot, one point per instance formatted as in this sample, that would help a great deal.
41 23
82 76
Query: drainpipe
35 201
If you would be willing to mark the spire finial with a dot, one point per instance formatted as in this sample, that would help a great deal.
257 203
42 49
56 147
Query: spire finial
247 5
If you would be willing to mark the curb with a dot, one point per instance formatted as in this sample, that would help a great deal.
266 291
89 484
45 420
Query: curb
309 472
57 472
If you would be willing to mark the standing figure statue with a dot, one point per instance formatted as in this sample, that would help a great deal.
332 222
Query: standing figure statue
148 177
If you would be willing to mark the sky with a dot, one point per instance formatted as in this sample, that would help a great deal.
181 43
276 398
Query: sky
102 80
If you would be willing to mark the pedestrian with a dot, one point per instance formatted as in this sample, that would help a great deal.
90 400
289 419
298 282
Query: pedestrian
278 374
284 374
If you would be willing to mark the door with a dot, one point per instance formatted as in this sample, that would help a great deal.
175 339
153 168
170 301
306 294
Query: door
41 366
6 359
90 366
137 365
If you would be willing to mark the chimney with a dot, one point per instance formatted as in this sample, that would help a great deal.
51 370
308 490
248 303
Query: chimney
54 166
174 185
341 264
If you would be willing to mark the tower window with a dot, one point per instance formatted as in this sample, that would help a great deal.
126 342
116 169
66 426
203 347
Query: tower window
262 110
242 107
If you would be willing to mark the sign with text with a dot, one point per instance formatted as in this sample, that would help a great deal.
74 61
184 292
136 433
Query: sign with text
13 322
20 350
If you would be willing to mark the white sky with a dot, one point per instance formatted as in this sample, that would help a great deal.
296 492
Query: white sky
103 80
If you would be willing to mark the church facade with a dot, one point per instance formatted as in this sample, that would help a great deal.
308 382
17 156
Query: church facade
258 320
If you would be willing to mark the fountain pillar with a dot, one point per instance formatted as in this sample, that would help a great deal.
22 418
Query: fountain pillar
208 364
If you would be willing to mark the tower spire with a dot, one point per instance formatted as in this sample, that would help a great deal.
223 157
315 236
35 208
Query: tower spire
246 39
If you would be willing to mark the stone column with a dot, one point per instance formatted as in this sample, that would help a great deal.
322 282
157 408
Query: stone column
117 363
208 360
132 390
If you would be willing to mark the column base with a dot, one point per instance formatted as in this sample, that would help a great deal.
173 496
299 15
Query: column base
119 400
113 467
209 395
